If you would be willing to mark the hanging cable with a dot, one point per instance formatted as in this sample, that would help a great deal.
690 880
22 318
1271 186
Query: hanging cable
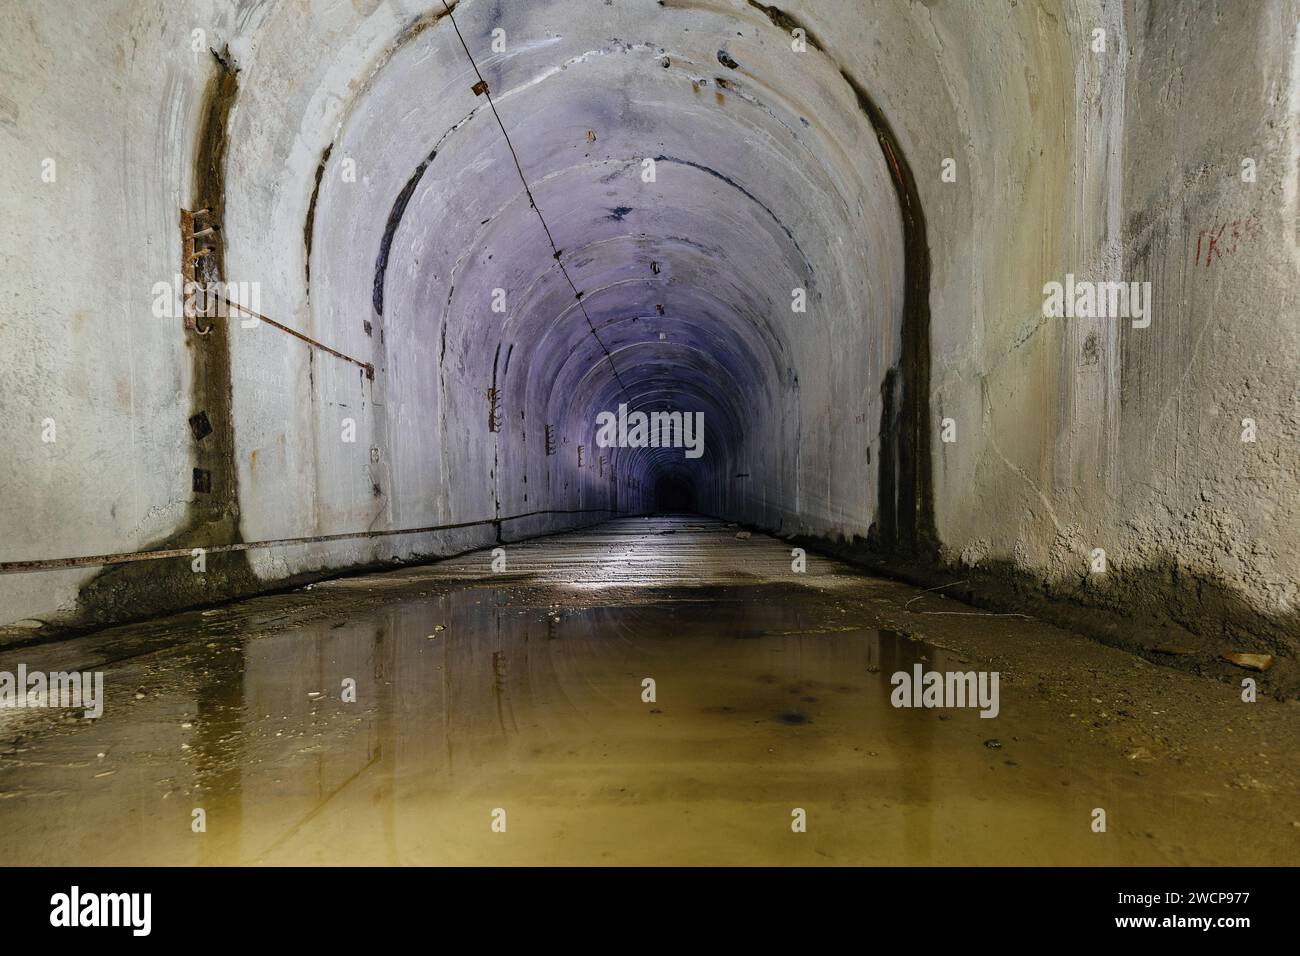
555 250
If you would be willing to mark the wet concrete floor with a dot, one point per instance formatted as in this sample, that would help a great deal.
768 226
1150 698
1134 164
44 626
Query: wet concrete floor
499 718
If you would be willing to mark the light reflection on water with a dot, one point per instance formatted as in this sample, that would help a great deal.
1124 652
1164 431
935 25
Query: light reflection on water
539 713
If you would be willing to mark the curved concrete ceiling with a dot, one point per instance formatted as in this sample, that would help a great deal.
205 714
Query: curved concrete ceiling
679 176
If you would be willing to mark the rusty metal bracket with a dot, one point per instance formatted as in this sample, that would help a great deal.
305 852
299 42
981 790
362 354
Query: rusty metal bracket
189 272
191 254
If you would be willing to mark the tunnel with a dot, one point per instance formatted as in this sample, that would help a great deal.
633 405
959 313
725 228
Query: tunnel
628 406
666 225
674 493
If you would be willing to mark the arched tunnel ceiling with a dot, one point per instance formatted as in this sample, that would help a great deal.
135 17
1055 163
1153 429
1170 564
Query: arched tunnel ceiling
766 179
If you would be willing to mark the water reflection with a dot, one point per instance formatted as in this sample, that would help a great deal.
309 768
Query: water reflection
473 701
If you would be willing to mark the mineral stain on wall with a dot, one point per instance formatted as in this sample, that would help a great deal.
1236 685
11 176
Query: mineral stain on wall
137 589
905 501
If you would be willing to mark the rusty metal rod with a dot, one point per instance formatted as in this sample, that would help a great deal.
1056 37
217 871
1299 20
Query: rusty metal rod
369 369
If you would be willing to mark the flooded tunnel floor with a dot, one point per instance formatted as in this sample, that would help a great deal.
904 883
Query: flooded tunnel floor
515 698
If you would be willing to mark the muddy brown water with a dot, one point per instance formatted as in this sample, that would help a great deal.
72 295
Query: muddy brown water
481 709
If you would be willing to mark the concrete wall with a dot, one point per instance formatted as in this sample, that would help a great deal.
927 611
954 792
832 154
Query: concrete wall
1075 435
114 104
350 135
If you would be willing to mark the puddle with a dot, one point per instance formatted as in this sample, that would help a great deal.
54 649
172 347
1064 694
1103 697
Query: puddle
765 701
